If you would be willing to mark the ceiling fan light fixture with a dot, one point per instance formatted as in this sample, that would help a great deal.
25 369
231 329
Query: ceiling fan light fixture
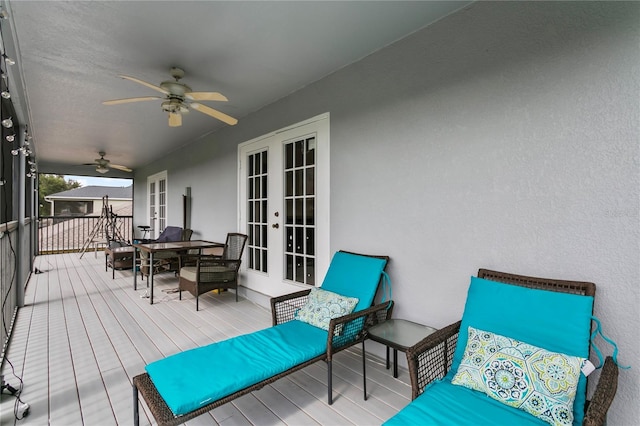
102 169
175 105
175 119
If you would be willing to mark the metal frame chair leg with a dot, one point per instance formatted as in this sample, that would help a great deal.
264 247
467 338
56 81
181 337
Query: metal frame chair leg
329 384
364 371
136 414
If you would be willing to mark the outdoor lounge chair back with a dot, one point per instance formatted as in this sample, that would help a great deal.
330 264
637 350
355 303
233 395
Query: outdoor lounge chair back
234 246
183 386
531 332
170 233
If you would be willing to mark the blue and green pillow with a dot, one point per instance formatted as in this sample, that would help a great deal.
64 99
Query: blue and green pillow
524 376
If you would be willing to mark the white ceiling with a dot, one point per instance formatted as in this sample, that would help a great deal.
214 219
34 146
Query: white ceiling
70 54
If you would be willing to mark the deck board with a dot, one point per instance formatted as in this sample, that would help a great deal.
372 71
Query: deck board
82 336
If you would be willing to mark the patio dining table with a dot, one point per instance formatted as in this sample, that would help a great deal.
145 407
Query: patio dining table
178 246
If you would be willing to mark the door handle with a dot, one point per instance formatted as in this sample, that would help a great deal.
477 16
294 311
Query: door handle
275 226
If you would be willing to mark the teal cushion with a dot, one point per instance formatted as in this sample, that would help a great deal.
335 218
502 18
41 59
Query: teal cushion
322 306
191 379
521 375
354 275
445 404
558 322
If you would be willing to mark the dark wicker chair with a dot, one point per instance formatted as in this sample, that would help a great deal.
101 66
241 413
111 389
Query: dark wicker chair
165 261
201 274
283 309
431 358
118 256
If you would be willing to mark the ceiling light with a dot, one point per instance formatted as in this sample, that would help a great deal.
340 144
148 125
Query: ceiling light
7 122
5 94
102 169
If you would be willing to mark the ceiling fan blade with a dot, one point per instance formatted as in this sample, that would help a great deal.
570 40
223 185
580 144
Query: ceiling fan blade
127 100
214 113
118 167
206 96
144 83
175 119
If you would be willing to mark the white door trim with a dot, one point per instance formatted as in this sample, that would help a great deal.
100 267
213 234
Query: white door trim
279 285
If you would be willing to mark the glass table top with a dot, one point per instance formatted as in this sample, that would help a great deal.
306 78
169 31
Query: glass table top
399 333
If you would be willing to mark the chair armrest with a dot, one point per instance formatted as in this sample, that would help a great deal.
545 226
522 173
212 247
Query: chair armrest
355 326
283 308
431 358
596 414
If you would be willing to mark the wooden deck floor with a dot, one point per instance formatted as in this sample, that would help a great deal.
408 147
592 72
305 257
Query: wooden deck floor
82 337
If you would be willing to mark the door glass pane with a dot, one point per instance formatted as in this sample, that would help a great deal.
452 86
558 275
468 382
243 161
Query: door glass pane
288 269
299 203
257 180
162 204
288 184
310 181
152 208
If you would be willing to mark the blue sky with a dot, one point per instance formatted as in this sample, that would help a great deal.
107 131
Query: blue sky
91 181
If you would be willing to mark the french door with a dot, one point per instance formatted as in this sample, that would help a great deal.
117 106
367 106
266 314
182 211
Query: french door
157 202
284 207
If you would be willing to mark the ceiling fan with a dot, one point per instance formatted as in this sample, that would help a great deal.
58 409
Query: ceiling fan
103 165
178 99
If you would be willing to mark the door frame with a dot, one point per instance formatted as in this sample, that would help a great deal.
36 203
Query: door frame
323 245
157 177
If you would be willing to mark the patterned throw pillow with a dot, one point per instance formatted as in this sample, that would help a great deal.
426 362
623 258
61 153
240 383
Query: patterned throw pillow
322 306
520 375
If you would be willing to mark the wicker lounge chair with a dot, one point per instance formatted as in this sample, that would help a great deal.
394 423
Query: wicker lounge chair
433 362
251 361
200 274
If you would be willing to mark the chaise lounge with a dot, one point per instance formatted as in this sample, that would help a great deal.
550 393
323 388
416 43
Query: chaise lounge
475 371
308 326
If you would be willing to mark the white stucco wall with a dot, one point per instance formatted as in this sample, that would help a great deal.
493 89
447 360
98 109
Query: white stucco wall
505 136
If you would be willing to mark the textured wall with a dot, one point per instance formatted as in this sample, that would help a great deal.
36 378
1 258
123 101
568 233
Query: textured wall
504 136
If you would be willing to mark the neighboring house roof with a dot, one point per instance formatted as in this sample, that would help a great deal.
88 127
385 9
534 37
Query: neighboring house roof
94 192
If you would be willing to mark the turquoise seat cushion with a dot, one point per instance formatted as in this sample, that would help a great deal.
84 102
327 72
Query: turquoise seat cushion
354 275
558 322
192 379
445 404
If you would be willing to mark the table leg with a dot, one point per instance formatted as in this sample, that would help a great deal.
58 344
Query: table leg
151 277
388 365
395 363
135 273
